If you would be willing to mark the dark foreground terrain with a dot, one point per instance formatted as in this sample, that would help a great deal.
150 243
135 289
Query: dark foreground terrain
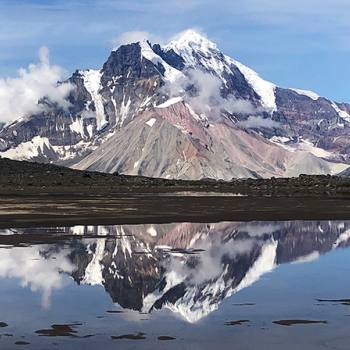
33 178
42 194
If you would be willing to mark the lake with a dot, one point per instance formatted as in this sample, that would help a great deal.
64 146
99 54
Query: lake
230 285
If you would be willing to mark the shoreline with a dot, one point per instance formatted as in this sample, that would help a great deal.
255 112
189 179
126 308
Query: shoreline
35 194
63 210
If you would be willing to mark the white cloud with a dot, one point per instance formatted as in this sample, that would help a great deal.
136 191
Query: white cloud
257 229
134 37
258 122
33 270
208 99
196 29
19 96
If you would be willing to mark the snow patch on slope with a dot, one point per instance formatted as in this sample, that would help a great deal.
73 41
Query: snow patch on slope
136 164
171 74
28 150
342 114
78 127
302 145
264 88
264 264
124 109
92 82
307 93
152 231
93 273
307 146
343 238
170 102
307 258
151 122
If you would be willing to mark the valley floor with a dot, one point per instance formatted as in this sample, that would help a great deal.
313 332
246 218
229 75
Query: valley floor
34 194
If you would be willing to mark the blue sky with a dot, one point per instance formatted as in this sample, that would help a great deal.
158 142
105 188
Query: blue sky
294 43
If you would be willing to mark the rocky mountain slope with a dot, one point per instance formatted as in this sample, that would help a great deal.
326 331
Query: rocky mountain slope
183 110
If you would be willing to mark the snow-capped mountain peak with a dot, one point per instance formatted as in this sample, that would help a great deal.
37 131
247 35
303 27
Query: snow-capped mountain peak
208 103
193 39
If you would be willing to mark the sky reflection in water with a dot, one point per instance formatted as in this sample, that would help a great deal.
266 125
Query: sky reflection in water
192 286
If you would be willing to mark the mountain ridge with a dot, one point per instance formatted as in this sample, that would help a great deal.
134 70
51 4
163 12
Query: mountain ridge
232 122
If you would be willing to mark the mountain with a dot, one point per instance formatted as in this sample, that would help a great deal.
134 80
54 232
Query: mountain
183 110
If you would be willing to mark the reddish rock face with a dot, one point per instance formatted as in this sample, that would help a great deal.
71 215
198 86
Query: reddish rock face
173 142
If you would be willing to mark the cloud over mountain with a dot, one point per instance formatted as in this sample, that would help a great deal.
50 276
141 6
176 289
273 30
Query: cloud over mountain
19 96
134 37
255 122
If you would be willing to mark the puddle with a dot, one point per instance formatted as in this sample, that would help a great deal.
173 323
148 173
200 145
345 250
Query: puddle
204 281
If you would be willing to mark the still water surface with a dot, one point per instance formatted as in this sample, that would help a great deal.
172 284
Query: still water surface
257 285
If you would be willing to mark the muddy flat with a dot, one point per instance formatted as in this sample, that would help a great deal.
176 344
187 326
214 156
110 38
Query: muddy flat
236 323
289 323
109 209
138 336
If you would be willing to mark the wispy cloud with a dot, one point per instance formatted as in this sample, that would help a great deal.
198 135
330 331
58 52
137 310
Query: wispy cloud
254 122
43 275
207 98
19 96
134 37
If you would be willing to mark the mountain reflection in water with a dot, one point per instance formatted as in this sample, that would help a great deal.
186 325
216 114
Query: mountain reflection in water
187 268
